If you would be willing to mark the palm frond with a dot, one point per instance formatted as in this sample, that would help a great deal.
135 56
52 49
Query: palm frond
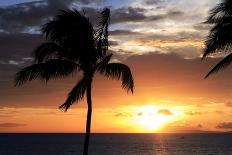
44 71
101 35
220 12
221 65
101 65
119 71
45 51
74 33
69 23
103 24
219 40
105 18
216 13
76 94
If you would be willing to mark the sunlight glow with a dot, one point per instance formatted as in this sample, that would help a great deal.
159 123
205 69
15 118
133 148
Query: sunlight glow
151 119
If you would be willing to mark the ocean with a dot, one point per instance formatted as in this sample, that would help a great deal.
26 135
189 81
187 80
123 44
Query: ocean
116 144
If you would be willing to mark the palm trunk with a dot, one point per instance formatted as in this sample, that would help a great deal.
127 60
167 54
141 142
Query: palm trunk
88 121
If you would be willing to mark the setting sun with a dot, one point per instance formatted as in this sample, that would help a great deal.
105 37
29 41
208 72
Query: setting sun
152 118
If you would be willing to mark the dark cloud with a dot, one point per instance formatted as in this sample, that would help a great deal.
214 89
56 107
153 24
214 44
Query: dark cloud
152 2
17 47
10 125
165 112
170 14
155 18
113 43
224 125
123 32
118 15
131 14
19 17
175 13
128 14
30 16
202 27
88 1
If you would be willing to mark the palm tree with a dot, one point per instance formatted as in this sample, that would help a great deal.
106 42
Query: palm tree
74 45
219 40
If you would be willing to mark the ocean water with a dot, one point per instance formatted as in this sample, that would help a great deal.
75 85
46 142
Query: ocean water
116 144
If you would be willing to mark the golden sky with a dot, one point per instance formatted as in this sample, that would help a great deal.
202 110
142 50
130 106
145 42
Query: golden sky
170 96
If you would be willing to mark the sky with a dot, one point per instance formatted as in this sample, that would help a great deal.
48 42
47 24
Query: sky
161 40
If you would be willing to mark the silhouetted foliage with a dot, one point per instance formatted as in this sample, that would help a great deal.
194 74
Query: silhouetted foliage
72 45
219 39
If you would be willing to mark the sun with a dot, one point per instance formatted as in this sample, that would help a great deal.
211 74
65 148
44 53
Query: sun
151 120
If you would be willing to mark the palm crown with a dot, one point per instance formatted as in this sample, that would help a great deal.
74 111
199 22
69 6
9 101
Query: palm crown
219 39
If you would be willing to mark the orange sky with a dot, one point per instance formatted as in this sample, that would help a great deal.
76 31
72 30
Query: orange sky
165 83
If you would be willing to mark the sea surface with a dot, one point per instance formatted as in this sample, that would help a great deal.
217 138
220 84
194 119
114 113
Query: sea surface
116 144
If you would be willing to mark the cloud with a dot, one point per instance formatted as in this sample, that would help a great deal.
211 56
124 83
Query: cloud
123 32
138 14
127 14
192 113
30 16
224 125
17 18
10 125
20 17
182 42
219 112
185 47
152 2
169 14
120 114
187 44
228 104
16 48
199 126
202 27
113 43
165 112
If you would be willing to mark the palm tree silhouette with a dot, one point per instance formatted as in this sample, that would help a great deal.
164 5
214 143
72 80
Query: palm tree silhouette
72 44
219 39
